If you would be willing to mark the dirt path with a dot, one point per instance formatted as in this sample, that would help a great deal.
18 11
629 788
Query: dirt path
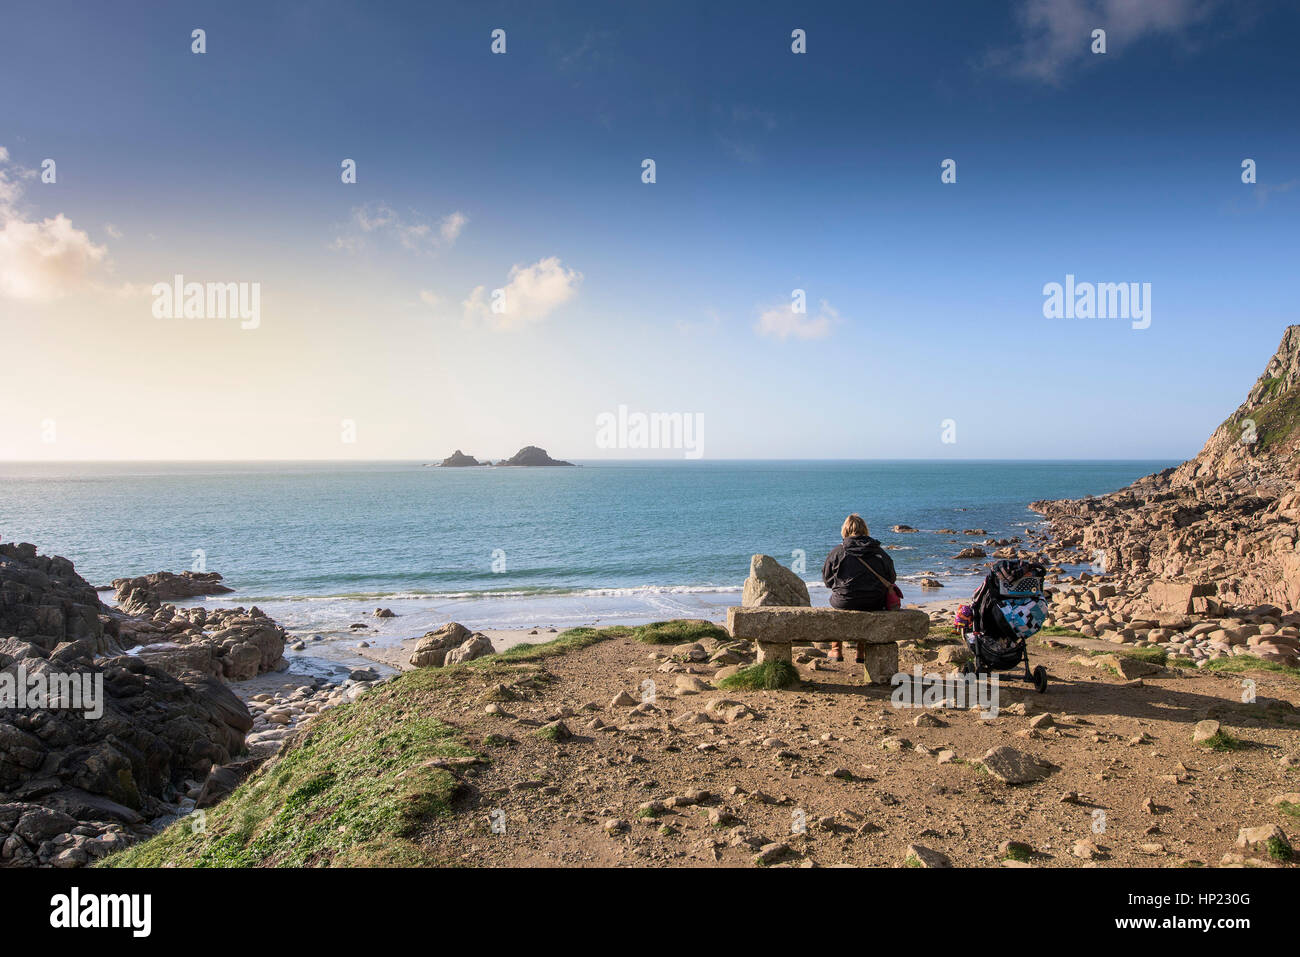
860 777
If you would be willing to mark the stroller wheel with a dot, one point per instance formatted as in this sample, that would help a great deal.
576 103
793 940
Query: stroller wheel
1040 679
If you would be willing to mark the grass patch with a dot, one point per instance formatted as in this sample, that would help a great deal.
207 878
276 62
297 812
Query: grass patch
1278 849
1222 741
571 640
1017 853
680 631
548 732
1061 630
912 861
354 791
1241 663
1288 808
1276 420
768 676
1153 656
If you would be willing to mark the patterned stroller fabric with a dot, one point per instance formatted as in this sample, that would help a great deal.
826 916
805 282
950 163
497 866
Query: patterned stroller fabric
1010 602
1023 616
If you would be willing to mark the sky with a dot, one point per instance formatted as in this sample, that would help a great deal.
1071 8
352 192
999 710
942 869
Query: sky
501 274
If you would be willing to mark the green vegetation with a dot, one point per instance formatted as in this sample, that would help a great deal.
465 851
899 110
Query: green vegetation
912 861
353 792
1061 630
359 786
1278 849
1152 655
768 676
1237 664
1222 741
549 732
1288 808
1277 419
571 640
1017 852
679 632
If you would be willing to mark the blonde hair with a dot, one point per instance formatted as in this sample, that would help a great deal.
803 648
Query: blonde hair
854 527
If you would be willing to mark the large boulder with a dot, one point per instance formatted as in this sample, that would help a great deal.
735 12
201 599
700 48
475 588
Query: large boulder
1176 597
452 644
771 583
476 646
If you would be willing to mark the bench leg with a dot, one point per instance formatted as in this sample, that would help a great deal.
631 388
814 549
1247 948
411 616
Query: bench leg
769 651
881 663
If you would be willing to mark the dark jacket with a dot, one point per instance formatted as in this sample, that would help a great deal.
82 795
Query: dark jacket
852 586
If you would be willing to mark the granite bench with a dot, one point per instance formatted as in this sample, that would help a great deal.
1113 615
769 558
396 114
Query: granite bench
776 628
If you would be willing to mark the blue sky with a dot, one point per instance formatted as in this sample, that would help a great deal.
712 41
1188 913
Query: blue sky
775 172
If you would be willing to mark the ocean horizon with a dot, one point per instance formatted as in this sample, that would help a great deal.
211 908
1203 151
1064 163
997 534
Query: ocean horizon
320 545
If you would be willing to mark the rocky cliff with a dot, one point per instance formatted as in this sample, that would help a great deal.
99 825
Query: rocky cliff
1226 520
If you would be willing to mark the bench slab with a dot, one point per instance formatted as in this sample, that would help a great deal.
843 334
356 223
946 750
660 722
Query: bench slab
775 628
774 624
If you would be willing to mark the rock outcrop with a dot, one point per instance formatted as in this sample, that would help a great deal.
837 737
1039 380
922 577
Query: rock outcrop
452 644
771 583
75 785
230 643
531 455
458 460
44 601
1226 522
145 594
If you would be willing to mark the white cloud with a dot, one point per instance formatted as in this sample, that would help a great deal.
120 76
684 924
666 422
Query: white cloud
413 234
530 294
430 298
451 226
45 260
782 322
40 260
112 231
1057 34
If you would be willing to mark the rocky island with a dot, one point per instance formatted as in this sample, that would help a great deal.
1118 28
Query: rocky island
532 456
459 460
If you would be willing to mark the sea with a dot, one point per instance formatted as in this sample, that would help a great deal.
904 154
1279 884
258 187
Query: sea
321 545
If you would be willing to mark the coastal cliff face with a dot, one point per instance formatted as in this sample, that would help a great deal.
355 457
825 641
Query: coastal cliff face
1225 520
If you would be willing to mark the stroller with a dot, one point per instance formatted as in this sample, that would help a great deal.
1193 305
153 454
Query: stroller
1008 608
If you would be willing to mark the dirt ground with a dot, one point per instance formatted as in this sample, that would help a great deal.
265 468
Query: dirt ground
831 773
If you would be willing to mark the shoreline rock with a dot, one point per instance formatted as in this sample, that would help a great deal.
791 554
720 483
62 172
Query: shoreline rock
145 594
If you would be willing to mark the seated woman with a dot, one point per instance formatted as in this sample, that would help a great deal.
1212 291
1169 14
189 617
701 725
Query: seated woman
858 572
